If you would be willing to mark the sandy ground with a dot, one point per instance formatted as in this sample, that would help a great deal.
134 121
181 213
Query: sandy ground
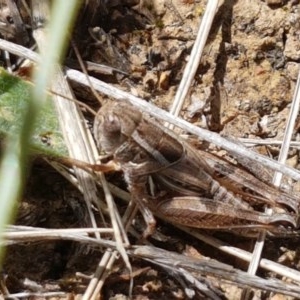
243 88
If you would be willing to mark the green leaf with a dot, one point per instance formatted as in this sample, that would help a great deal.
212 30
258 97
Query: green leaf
47 138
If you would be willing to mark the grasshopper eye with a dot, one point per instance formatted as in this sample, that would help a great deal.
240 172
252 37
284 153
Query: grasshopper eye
112 124
106 125
108 132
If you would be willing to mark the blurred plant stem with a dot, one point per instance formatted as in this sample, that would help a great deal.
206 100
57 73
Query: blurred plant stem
15 156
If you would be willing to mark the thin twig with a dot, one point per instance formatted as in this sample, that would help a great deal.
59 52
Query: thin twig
257 252
31 231
19 50
160 114
194 59
16 237
118 94
119 231
211 267
32 295
254 142
244 255
77 137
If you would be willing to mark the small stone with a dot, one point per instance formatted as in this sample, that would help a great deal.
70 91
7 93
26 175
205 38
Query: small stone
292 47
275 2
292 70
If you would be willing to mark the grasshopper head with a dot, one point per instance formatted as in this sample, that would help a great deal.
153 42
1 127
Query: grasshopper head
114 124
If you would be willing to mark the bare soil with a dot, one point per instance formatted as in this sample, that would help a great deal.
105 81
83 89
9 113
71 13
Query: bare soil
243 88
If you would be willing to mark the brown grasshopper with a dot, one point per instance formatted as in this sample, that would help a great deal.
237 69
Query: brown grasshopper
189 186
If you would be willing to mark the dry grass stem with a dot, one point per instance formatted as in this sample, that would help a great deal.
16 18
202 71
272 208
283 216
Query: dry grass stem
160 114
78 139
195 56
244 255
209 267
198 277
257 252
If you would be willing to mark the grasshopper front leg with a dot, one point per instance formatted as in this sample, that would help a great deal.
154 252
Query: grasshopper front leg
137 182
140 198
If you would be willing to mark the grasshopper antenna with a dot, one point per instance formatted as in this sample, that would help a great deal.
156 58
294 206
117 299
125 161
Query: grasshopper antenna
84 70
76 101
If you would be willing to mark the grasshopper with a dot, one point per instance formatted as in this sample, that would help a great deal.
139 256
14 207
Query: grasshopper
186 186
